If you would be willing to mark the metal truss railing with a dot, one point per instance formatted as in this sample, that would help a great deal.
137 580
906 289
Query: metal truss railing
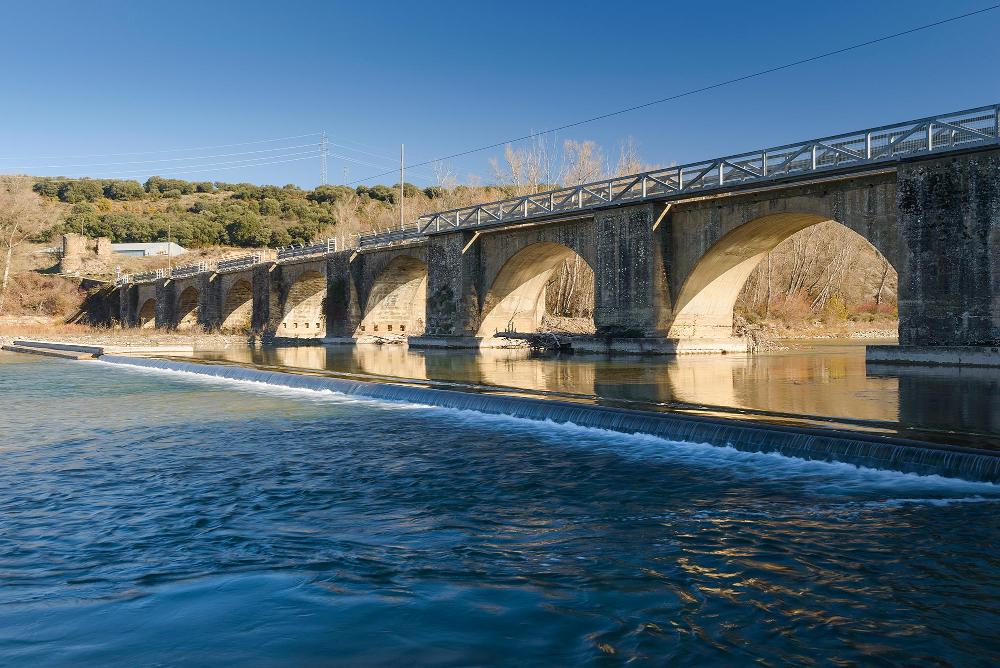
240 262
319 248
149 276
862 150
189 270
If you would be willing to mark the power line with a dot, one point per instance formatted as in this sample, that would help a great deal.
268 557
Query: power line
244 161
695 91
159 160
215 169
323 150
166 150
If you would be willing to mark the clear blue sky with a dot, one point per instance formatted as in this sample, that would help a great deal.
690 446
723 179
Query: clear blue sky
82 79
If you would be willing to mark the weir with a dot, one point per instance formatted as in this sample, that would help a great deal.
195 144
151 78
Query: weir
814 444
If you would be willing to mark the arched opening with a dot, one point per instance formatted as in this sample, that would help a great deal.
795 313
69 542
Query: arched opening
543 287
789 263
237 312
303 316
147 314
397 302
187 309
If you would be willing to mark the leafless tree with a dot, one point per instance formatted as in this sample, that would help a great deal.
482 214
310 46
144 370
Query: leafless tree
22 215
526 169
628 158
582 162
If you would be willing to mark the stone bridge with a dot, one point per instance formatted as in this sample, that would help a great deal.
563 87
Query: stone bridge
666 269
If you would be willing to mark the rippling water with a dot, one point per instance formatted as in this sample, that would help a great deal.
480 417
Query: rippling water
154 518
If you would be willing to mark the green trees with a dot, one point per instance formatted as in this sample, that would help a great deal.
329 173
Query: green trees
270 207
124 190
158 184
81 190
249 230
324 194
208 213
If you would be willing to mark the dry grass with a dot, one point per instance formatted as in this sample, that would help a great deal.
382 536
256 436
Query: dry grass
43 295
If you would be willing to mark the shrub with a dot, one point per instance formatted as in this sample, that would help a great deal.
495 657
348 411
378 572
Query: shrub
124 190
835 309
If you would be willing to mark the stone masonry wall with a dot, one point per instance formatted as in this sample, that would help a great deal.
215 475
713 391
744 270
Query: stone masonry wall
949 217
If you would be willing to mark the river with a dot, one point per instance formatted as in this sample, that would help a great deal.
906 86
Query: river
822 382
156 518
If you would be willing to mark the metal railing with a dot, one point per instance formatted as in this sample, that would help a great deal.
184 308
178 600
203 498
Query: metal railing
318 248
862 150
240 262
189 270
123 279
149 276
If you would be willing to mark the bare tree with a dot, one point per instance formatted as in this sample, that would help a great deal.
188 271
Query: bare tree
582 162
443 175
22 215
628 158
881 286
526 169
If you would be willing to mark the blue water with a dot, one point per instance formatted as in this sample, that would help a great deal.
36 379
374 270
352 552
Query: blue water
155 518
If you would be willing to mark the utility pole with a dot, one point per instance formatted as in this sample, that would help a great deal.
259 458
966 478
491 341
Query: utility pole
169 250
401 181
345 176
323 151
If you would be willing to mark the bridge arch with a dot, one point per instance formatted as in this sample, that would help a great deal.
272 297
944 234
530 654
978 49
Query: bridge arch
516 300
303 314
237 310
704 305
397 300
187 309
147 314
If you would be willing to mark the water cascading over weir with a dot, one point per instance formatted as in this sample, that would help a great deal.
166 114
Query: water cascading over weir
811 444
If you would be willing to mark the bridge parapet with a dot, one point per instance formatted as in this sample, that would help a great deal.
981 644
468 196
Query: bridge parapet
189 270
240 262
319 248
147 276
390 238
859 151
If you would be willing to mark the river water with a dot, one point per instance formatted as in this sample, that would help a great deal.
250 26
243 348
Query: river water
158 518
808 383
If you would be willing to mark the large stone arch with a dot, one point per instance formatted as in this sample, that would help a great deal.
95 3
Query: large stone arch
237 309
715 248
515 299
396 301
147 314
303 313
187 309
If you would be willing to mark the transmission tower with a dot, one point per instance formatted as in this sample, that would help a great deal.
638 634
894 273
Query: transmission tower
323 152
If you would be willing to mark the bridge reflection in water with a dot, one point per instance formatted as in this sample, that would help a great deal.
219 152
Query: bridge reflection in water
811 382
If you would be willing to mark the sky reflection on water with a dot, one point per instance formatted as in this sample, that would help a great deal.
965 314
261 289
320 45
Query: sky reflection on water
149 518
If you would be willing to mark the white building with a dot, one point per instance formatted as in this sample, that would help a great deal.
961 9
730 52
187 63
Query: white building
148 250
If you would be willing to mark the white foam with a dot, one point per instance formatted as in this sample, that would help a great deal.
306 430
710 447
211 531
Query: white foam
837 477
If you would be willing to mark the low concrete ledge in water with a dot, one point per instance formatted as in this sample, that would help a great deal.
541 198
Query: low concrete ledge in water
829 445
105 350
935 355
49 352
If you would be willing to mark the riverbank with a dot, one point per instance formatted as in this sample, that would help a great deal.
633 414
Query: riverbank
119 337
